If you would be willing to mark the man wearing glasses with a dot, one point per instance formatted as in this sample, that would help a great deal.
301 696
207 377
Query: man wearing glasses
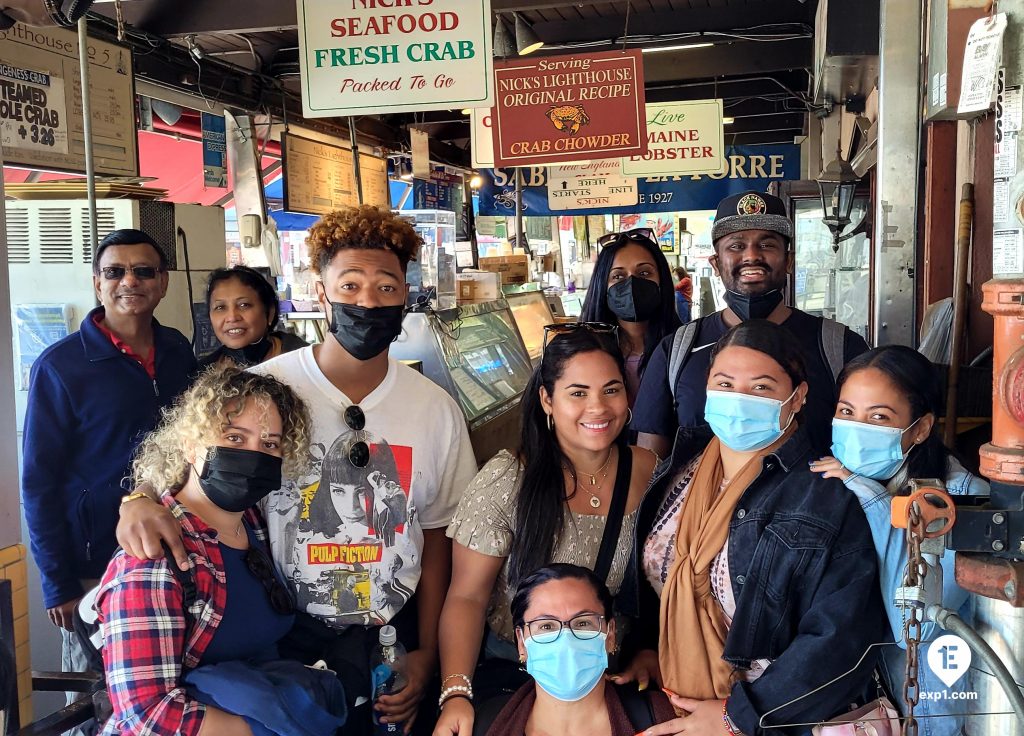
362 534
92 396
752 236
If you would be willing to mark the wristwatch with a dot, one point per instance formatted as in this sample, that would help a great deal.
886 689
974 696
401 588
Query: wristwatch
134 496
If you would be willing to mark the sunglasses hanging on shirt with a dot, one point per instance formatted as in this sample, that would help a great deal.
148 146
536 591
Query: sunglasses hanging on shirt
358 450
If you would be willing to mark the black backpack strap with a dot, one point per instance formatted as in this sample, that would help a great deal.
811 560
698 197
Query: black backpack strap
185 579
613 524
832 340
638 707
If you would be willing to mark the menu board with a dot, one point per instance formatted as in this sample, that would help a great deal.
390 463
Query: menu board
41 102
318 177
373 172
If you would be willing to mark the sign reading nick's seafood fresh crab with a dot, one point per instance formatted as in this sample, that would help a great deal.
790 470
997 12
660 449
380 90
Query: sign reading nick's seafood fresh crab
569 108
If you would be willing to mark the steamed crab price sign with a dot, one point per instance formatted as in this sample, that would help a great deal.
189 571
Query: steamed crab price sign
361 57
569 108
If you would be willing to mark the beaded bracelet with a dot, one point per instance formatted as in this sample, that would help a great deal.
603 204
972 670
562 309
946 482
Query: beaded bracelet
729 728
453 696
463 690
465 678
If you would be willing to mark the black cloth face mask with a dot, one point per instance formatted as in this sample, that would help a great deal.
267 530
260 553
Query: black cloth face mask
250 354
365 332
235 479
635 299
757 306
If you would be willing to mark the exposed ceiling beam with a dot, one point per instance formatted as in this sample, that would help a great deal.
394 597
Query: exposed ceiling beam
769 84
733 59
171 19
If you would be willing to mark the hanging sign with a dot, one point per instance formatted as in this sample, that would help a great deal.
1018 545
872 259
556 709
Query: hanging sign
569 108
419 142
682 138
981 62
215 152
41 123
586 186
439 192
373 174
369 56
481 140
318 177
747 167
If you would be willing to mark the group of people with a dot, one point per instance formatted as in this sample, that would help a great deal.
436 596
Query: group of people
691 537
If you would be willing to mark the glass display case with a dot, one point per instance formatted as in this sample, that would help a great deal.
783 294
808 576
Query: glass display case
531 312
476 354
432 275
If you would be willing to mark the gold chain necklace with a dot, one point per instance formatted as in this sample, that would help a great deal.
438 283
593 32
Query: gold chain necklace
595 501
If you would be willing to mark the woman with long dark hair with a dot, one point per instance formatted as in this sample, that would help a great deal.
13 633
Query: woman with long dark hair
883 434
632 287
759 573
569 494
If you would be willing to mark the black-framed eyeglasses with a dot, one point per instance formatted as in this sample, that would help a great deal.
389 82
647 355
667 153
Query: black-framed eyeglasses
359 450
584 626
259 564
638 233
142 273
564 328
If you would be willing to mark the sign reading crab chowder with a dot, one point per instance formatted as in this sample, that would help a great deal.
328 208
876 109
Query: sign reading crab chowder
569 108
594 184
682 138
359 57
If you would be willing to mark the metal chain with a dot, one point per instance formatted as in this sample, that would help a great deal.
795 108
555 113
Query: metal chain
916 572
119 12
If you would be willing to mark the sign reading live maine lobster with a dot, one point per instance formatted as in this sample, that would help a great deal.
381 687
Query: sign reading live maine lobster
569 108
369 56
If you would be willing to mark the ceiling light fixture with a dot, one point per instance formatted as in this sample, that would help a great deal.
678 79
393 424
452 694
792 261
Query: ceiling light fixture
503 44
678 47
728 120
526 38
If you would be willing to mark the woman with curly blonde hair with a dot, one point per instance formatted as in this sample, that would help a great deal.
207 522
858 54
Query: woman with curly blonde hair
219 451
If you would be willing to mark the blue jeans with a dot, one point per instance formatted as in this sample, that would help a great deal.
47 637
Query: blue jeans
682 308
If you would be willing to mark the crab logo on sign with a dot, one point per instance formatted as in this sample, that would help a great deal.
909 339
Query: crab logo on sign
568 118
751 205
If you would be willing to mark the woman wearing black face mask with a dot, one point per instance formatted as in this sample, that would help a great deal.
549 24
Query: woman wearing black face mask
632 287
178 645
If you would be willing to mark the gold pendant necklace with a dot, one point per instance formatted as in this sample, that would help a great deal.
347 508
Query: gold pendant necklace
595 501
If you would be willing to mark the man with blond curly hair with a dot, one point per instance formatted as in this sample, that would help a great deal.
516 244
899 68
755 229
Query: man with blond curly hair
384 437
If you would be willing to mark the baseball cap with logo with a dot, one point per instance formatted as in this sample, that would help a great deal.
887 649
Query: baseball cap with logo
751 211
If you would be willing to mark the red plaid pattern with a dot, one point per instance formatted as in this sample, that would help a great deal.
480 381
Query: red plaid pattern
147 639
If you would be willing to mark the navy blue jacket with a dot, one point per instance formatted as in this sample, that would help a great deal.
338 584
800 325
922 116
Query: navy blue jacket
805 578
88 408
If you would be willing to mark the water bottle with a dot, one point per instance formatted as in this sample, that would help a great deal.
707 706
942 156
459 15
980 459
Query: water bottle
387 671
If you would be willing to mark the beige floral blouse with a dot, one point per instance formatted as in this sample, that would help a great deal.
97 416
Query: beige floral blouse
484 523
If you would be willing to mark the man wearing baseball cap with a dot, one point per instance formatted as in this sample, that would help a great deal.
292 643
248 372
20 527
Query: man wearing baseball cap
752 237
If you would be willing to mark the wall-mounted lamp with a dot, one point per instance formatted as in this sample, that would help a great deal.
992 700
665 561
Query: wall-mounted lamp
476 181
526 38
838 185
504 46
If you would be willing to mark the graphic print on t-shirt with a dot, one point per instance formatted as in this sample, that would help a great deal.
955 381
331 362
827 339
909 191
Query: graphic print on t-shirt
351 529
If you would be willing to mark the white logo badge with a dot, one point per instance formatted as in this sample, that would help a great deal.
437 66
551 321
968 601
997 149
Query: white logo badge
949 657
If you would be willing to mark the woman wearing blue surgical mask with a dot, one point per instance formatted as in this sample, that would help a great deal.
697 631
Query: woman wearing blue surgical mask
565 630
757 580
632 287
883 434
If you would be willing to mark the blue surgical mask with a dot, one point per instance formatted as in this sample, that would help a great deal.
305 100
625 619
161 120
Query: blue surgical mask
567 668
743 422
867 449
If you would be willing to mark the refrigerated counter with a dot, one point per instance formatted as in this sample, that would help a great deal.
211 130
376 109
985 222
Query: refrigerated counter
474 352
531 312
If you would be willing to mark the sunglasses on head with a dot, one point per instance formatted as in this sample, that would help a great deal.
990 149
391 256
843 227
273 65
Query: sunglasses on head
259 564
116 273
640 233
358 451
566 328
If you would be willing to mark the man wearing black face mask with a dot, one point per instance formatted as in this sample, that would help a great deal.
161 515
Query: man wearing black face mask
386 438
752 234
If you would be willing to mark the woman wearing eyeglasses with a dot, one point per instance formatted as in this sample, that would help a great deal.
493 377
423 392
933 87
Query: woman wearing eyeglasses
568 495
565 631
761 574
244 310
218 452
632 287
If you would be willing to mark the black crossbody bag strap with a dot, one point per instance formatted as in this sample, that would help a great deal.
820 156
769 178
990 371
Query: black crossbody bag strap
613 525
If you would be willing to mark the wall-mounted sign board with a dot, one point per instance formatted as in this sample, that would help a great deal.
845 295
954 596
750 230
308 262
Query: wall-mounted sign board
41 103
318 177
373 172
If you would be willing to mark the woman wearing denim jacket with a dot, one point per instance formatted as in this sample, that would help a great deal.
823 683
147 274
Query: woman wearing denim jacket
763 572
884 434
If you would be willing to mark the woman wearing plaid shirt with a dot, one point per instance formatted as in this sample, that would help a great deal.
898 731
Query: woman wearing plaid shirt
219 451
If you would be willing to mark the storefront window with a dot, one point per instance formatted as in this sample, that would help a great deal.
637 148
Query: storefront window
826 283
